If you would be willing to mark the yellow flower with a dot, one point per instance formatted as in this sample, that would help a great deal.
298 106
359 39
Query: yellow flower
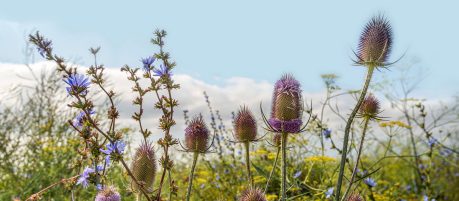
320 159
259 179
392 124
201 181
271 197
379 197
204 174
271 156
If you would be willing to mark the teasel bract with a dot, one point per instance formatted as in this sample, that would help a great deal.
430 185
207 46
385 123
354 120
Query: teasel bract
108 193
197 138
144 167
252 194
373 52
245 128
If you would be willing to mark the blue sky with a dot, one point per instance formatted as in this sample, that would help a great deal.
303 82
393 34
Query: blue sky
215 40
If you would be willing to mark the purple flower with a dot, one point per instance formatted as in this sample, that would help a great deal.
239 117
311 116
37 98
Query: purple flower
297 174
432 141
292 126
108 193
370 182
83 179
78 121
78 84
116 147
326 133
147 62
446 152
162 71
329 192
46 45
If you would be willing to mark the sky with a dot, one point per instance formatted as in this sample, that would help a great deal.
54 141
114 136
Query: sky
214 40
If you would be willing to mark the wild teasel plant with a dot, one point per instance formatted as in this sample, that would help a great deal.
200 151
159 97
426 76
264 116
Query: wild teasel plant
144 167
109 193
252 194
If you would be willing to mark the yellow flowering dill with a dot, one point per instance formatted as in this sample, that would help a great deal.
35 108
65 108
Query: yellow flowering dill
271 156
200 180
320 159
392 124
203 173
271 197
379 197
259 179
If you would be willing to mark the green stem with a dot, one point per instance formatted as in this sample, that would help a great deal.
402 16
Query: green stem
272 169
348 129
284 167
247 161
354 171
193 167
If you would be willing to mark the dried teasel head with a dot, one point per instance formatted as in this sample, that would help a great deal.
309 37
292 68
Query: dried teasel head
375 42
370 107
252 194
144 167
108 193
197 135
287 105
245 125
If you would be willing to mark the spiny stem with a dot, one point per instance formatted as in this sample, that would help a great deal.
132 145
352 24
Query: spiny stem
272 169
354 171
348 129
190 183
284 167
247 161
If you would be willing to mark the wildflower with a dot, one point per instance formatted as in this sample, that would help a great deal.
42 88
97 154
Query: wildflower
46 45
375 42
445 152
329 192
432 141
144 166
108 194
370 182
245 126
297 174
84 177
252 194
197 136
162 71
147 62
355 197
370 107
78 121
202 186
326 133
116 147
78 84
286 105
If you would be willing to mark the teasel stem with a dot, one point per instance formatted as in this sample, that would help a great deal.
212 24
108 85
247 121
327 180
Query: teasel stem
284 167
247 161
272 169
359 153
193 167
347 130
138 196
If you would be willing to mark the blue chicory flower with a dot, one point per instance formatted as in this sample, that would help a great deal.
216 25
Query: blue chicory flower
297 174
116 147
370 182
83 179
78 121
46 45
147 62
329 192
78 84
162 71
326 133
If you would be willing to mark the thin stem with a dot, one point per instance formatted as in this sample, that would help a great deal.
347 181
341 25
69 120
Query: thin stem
348 129
354 171
247 161
190 183
284 167
272 169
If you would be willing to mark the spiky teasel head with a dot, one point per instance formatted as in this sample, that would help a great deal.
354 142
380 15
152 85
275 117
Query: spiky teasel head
252 194
375 42
245 125
370 108
197 136
144 167
109 193
355 197
277 137
287 105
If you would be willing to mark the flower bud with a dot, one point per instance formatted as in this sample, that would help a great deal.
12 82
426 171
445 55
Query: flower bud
286 105
144 166
370 107
108 194
197 135
245 126
252 194
376 41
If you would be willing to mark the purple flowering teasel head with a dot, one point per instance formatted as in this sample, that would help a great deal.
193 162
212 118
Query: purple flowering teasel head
78 84
144 166
287 105
375 42
197 136
245 125
109 193
252 194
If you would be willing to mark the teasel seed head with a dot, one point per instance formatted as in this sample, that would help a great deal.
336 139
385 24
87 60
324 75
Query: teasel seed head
109 193
197 135
245 125
252 194
144 167
375 42
355 197
277 139
287 105
370 107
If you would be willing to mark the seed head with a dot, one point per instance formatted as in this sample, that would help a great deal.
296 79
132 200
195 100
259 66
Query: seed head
197 135
375 42
252 194
370 107
144 166
355 197
245 125
277 139
108 194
